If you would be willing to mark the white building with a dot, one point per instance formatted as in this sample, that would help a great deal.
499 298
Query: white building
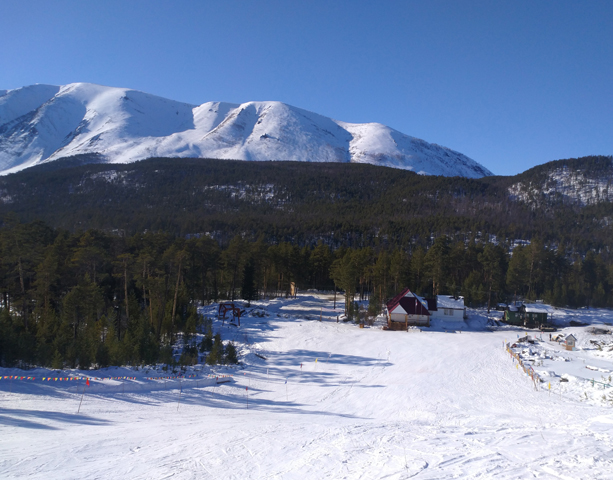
448 308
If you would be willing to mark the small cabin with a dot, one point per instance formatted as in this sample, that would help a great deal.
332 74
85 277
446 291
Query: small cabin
534 314
570 342
447 308
406 309
527 315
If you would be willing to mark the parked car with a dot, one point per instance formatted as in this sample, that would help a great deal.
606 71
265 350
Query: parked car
547 327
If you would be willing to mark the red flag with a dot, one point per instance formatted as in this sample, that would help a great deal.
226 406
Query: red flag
87 383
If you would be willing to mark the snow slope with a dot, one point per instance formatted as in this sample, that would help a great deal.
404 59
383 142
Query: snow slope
358 404
42 123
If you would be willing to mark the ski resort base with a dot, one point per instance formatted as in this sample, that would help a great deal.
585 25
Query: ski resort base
318 399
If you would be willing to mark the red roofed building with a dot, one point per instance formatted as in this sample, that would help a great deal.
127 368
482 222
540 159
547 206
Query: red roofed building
406 309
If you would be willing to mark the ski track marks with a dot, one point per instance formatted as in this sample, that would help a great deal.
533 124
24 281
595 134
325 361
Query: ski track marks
389 405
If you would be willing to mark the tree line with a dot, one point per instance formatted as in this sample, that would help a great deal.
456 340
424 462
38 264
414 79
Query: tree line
96 299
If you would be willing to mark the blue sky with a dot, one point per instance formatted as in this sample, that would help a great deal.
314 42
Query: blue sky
511 84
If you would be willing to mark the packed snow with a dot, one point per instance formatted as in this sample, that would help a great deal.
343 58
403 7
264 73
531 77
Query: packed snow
42 123
314 397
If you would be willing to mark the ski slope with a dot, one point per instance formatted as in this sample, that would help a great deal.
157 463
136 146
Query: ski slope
444 402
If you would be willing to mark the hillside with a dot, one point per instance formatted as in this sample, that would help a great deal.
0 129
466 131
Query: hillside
42 123
290 201
577 181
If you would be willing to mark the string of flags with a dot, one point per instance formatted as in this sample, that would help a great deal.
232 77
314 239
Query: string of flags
45 379
170 377
72 379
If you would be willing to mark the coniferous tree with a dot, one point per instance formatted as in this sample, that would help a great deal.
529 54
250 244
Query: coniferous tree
248 290
231 357
217 353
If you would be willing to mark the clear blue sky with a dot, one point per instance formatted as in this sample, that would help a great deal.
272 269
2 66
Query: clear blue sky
511 84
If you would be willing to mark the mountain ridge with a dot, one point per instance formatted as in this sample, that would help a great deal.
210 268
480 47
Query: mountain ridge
42 123
339 203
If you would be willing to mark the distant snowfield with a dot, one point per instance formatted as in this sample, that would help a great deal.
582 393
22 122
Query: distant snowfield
358 404
42 123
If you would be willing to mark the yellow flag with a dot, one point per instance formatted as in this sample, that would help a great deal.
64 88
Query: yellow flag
315 360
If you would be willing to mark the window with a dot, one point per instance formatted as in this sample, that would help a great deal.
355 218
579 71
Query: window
448 311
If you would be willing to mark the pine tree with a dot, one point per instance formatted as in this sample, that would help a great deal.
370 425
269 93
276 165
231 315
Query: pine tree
216 356
206 345
231 355
248 290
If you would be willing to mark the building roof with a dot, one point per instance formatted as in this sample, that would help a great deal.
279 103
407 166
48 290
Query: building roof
411 305
449 301
537 308
394 301
409 302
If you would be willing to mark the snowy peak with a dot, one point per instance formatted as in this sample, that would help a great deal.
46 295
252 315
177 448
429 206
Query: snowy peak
18 102
42 123
377 144
273 130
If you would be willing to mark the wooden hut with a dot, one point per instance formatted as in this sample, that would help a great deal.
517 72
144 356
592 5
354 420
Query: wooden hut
534 314
528 315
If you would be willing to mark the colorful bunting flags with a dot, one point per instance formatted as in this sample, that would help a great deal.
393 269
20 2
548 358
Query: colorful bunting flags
102 379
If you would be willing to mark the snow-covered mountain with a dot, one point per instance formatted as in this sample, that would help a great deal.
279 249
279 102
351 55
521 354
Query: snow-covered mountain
42 123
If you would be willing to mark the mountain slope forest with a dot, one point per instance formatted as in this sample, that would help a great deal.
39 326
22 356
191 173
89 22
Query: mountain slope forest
106 264
342 204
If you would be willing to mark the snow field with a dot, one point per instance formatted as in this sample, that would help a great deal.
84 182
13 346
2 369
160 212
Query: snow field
366 403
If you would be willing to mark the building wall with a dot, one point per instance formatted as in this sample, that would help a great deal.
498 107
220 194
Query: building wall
536 318
450 314
513 318
423 320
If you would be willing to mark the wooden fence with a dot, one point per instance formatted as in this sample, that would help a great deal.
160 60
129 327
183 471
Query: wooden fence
528 370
